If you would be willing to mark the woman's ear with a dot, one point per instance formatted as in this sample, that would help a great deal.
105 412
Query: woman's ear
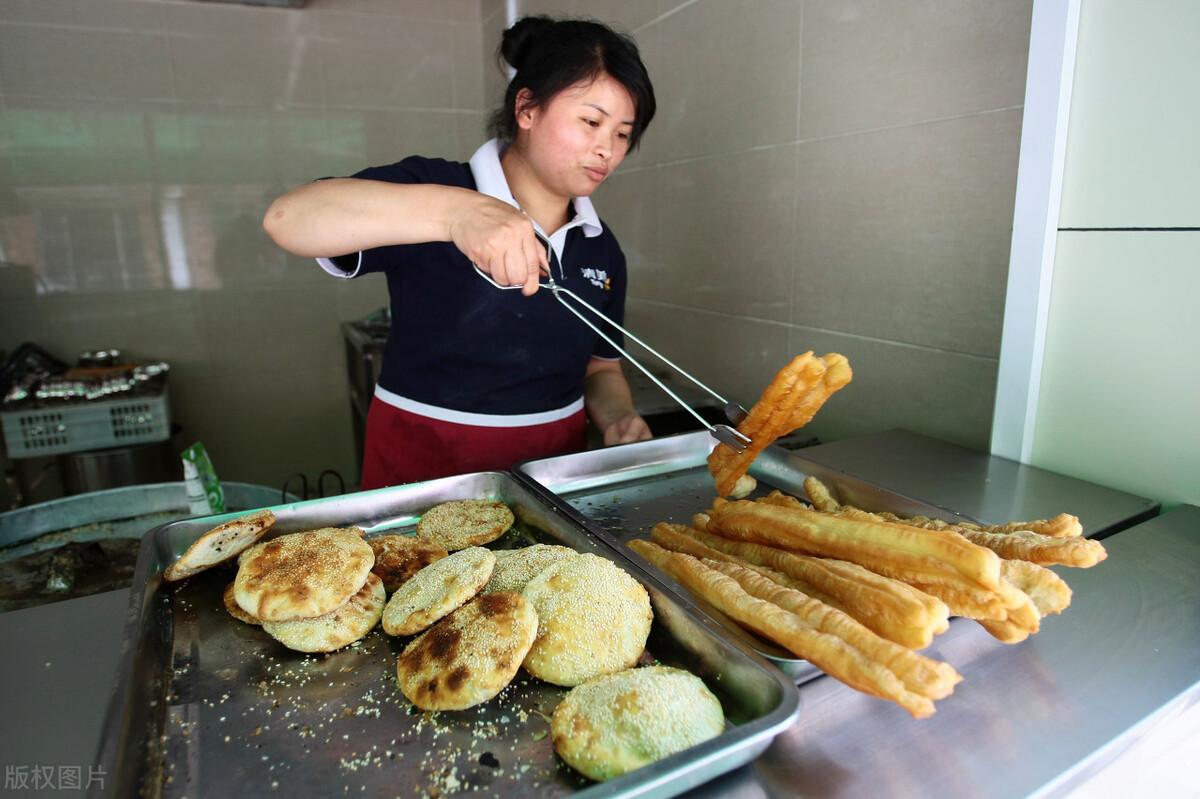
525 109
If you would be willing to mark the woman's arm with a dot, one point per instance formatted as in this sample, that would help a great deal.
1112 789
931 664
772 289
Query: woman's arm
345 215
610 404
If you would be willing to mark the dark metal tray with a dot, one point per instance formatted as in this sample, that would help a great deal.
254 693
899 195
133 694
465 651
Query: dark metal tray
208 706
620 493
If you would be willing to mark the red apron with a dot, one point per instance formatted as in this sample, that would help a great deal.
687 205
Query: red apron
404 447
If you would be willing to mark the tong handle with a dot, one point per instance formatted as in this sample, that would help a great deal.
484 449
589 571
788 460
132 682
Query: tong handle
723 433
733 412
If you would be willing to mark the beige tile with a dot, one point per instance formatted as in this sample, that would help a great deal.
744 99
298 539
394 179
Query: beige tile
553 8
468 66
1131 146
62 142
257 330
208 145
471 131
269 425
623 15
461 11
937 393
299 146
725 235
70 62
904 234
492 8
20 318
628 204
726 77
240 54
360 297
120 15
872 63
1120 383
736 357
372 63
160 325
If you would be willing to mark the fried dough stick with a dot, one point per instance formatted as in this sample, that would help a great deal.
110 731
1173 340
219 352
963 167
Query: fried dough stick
1010 613
1008 541
1049 592
919 674
828 652
932 556
789 402
1064 525
889 608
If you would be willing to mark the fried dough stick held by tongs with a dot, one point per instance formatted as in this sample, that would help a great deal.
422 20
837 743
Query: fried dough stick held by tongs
723 433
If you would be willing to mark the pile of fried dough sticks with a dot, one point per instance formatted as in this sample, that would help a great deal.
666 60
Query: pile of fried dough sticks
856 593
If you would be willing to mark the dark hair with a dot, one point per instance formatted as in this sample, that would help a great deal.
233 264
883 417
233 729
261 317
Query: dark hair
550 55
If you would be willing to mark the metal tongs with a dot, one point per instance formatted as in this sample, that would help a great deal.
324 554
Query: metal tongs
735 413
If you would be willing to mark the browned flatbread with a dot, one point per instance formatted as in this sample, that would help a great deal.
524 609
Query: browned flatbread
220 544
620 722
399 557
336 629
468 657
303 575
437 590
235 609
593 619
463 523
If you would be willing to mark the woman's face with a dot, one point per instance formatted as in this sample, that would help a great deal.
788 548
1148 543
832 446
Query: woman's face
577 139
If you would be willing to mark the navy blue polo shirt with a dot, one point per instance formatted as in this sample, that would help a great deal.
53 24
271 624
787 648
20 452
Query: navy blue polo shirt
461 349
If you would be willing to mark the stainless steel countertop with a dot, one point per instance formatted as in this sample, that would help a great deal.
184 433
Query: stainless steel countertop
57 671
1127 649
982 486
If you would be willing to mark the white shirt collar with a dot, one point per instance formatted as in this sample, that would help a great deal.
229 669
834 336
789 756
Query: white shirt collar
490 180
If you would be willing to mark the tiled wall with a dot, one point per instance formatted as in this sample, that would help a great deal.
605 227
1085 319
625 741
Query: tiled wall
140 142
1120 392
835 175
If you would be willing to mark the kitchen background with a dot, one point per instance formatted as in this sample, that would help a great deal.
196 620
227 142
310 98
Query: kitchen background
835 175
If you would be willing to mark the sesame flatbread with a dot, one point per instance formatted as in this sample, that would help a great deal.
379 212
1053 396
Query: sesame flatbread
437 590
593 619
336 629
235 610
614 724
516 567
303 575
220 544
463 523
399 557
469 656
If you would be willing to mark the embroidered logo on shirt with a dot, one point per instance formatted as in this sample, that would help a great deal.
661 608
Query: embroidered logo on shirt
597 277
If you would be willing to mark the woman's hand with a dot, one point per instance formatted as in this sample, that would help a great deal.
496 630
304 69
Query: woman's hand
500 240
626 429
610 404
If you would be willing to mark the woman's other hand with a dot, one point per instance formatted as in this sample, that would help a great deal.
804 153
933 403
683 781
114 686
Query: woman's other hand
610 404
500 240
627 429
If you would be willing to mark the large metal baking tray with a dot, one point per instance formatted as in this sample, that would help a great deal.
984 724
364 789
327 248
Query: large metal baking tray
620 493
207 706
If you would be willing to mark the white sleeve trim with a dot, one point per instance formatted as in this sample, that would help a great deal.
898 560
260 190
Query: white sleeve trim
329 266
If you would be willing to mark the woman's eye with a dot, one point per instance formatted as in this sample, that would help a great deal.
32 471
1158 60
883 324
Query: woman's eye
591 122
624 136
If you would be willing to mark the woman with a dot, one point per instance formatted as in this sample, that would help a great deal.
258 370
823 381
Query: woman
474 377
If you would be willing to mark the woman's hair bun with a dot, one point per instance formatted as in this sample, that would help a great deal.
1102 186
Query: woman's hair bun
521 38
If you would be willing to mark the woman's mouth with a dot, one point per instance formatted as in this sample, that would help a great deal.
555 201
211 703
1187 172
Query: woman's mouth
596 173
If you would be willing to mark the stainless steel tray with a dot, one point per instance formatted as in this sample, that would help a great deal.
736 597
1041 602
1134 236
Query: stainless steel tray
619 493
207 706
